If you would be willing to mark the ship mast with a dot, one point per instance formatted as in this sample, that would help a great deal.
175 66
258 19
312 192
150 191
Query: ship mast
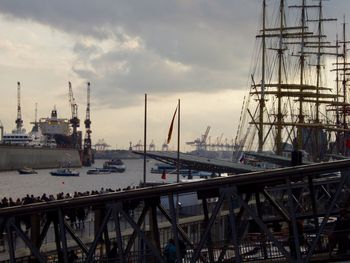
262 97
279 97
345 126
301 119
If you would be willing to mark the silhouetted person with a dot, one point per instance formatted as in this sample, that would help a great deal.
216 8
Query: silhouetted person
170 251
72 257
300 236
341 232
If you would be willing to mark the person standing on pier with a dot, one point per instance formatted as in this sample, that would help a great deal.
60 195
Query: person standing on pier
170 251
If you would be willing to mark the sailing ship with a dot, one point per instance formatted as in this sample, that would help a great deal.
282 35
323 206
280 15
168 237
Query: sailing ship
290 106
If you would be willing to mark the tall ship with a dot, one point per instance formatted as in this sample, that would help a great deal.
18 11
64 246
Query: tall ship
291 104
52 142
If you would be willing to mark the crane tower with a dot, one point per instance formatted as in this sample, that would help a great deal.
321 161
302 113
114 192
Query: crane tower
87 152
19 121
74 121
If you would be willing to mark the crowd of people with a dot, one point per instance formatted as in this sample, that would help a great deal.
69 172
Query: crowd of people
30 199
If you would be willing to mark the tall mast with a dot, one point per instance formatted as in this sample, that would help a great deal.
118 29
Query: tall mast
338 135
279 97
262 97
302 66
318 64
345 126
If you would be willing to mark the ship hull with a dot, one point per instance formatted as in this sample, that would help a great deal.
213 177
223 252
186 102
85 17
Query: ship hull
17 157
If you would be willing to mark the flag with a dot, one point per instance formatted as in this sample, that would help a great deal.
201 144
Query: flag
242 158
347 143
163 175
171 127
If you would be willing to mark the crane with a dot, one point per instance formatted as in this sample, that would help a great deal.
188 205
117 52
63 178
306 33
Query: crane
87 153
74 121
101 145
1 130
19 121
201 143
152 146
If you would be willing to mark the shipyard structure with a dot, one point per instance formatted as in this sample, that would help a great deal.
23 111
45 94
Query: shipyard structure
52 142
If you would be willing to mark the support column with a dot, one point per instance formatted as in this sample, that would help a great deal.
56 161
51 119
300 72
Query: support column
35 230
153 233
206 223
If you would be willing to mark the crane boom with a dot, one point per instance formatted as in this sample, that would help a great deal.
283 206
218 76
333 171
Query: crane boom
74 121
205 136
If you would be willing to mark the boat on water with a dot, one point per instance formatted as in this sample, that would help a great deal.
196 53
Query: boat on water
64 172
98 171
27 170
115 165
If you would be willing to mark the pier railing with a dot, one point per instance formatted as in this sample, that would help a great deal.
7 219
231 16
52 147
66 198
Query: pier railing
290 214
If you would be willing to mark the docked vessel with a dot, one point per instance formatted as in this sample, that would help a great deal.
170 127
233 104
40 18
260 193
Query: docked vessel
47 145
290 106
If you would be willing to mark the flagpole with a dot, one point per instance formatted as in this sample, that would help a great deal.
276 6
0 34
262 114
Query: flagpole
178 142
145 142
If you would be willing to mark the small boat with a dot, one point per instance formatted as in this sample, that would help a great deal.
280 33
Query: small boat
27 170
64 172
115 166
98 171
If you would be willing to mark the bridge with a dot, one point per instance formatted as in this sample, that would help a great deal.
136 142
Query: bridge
255 217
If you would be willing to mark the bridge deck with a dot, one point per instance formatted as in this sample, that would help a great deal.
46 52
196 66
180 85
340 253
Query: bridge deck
303 201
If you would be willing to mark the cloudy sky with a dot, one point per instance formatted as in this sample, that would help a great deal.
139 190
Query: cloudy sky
198 51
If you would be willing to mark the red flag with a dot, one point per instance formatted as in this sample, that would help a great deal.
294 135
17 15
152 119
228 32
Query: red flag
171 127
347 143
163 175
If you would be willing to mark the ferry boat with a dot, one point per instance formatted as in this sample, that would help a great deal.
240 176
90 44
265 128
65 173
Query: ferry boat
115 166
64 172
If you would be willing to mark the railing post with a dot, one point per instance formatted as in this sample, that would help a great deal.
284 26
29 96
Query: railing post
99 215
153 233
35 230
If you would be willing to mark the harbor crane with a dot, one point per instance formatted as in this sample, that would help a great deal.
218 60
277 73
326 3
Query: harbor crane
19 121
101 145
165 147
201 143
74 121
87 152
1 130
152 146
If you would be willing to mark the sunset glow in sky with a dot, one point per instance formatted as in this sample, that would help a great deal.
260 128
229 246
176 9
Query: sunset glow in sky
198 51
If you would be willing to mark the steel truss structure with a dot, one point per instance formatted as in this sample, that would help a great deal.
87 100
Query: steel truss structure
309 192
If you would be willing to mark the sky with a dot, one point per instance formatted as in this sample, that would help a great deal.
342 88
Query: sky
198 51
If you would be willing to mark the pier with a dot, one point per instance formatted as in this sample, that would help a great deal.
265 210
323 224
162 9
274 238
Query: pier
253 217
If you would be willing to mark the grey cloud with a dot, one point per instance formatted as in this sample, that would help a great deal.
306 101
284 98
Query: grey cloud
213 38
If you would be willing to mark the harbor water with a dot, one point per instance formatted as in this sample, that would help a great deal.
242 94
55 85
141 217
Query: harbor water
17 185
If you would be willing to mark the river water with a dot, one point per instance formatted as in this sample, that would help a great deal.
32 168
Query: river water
17 185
